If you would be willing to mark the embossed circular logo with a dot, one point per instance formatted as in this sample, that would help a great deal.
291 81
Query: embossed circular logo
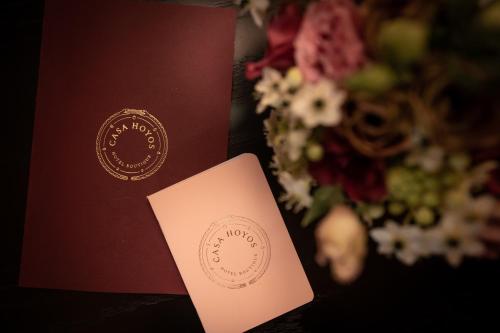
234 252
131 144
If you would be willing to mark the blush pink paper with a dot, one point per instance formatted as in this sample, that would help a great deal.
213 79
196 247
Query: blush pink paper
186 213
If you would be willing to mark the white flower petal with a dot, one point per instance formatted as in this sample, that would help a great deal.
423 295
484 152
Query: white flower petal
305 104
431 242
385 248
409 236
297 191
407 256
268 89
411 233
257 16
432 159
392 227
296 141
381 235
454 257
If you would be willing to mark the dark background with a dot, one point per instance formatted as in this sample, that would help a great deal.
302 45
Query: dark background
430 296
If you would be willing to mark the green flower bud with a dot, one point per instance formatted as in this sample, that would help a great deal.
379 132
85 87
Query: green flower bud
400 194
396 208
396 178
431 184
430 199
294 77
416 188
413 200
420 175
424 216
374 80
375 211
403 41
314 151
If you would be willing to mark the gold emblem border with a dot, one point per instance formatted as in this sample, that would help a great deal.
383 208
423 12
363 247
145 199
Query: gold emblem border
141 113
251 224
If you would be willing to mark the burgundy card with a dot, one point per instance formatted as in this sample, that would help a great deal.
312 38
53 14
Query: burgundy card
133 96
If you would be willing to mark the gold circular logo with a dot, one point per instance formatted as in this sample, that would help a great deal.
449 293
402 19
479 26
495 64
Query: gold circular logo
234 252
131 144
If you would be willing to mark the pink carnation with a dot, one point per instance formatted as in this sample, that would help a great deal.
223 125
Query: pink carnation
329 42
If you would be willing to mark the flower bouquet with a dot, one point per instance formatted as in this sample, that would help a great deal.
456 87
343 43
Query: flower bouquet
384 120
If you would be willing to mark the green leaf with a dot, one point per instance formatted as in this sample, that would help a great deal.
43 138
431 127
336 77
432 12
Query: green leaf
324 198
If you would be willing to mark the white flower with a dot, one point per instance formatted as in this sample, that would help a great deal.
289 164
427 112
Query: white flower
454 238
269 89
276 165
290 84
295 142
403 241
257 9
318 104
429 159
283 136
293 80
297 191
277 91
341 240
271 129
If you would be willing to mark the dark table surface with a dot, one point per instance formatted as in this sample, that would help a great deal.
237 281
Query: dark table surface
429 296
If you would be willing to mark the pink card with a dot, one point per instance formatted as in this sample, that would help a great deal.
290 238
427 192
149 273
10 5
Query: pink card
231 246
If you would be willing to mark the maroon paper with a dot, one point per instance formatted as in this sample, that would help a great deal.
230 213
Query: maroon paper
139 67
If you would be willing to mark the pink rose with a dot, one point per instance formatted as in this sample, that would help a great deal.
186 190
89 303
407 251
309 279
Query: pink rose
281 33
329 42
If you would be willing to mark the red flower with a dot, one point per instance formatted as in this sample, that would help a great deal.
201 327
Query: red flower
362 179
281 33
494 182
